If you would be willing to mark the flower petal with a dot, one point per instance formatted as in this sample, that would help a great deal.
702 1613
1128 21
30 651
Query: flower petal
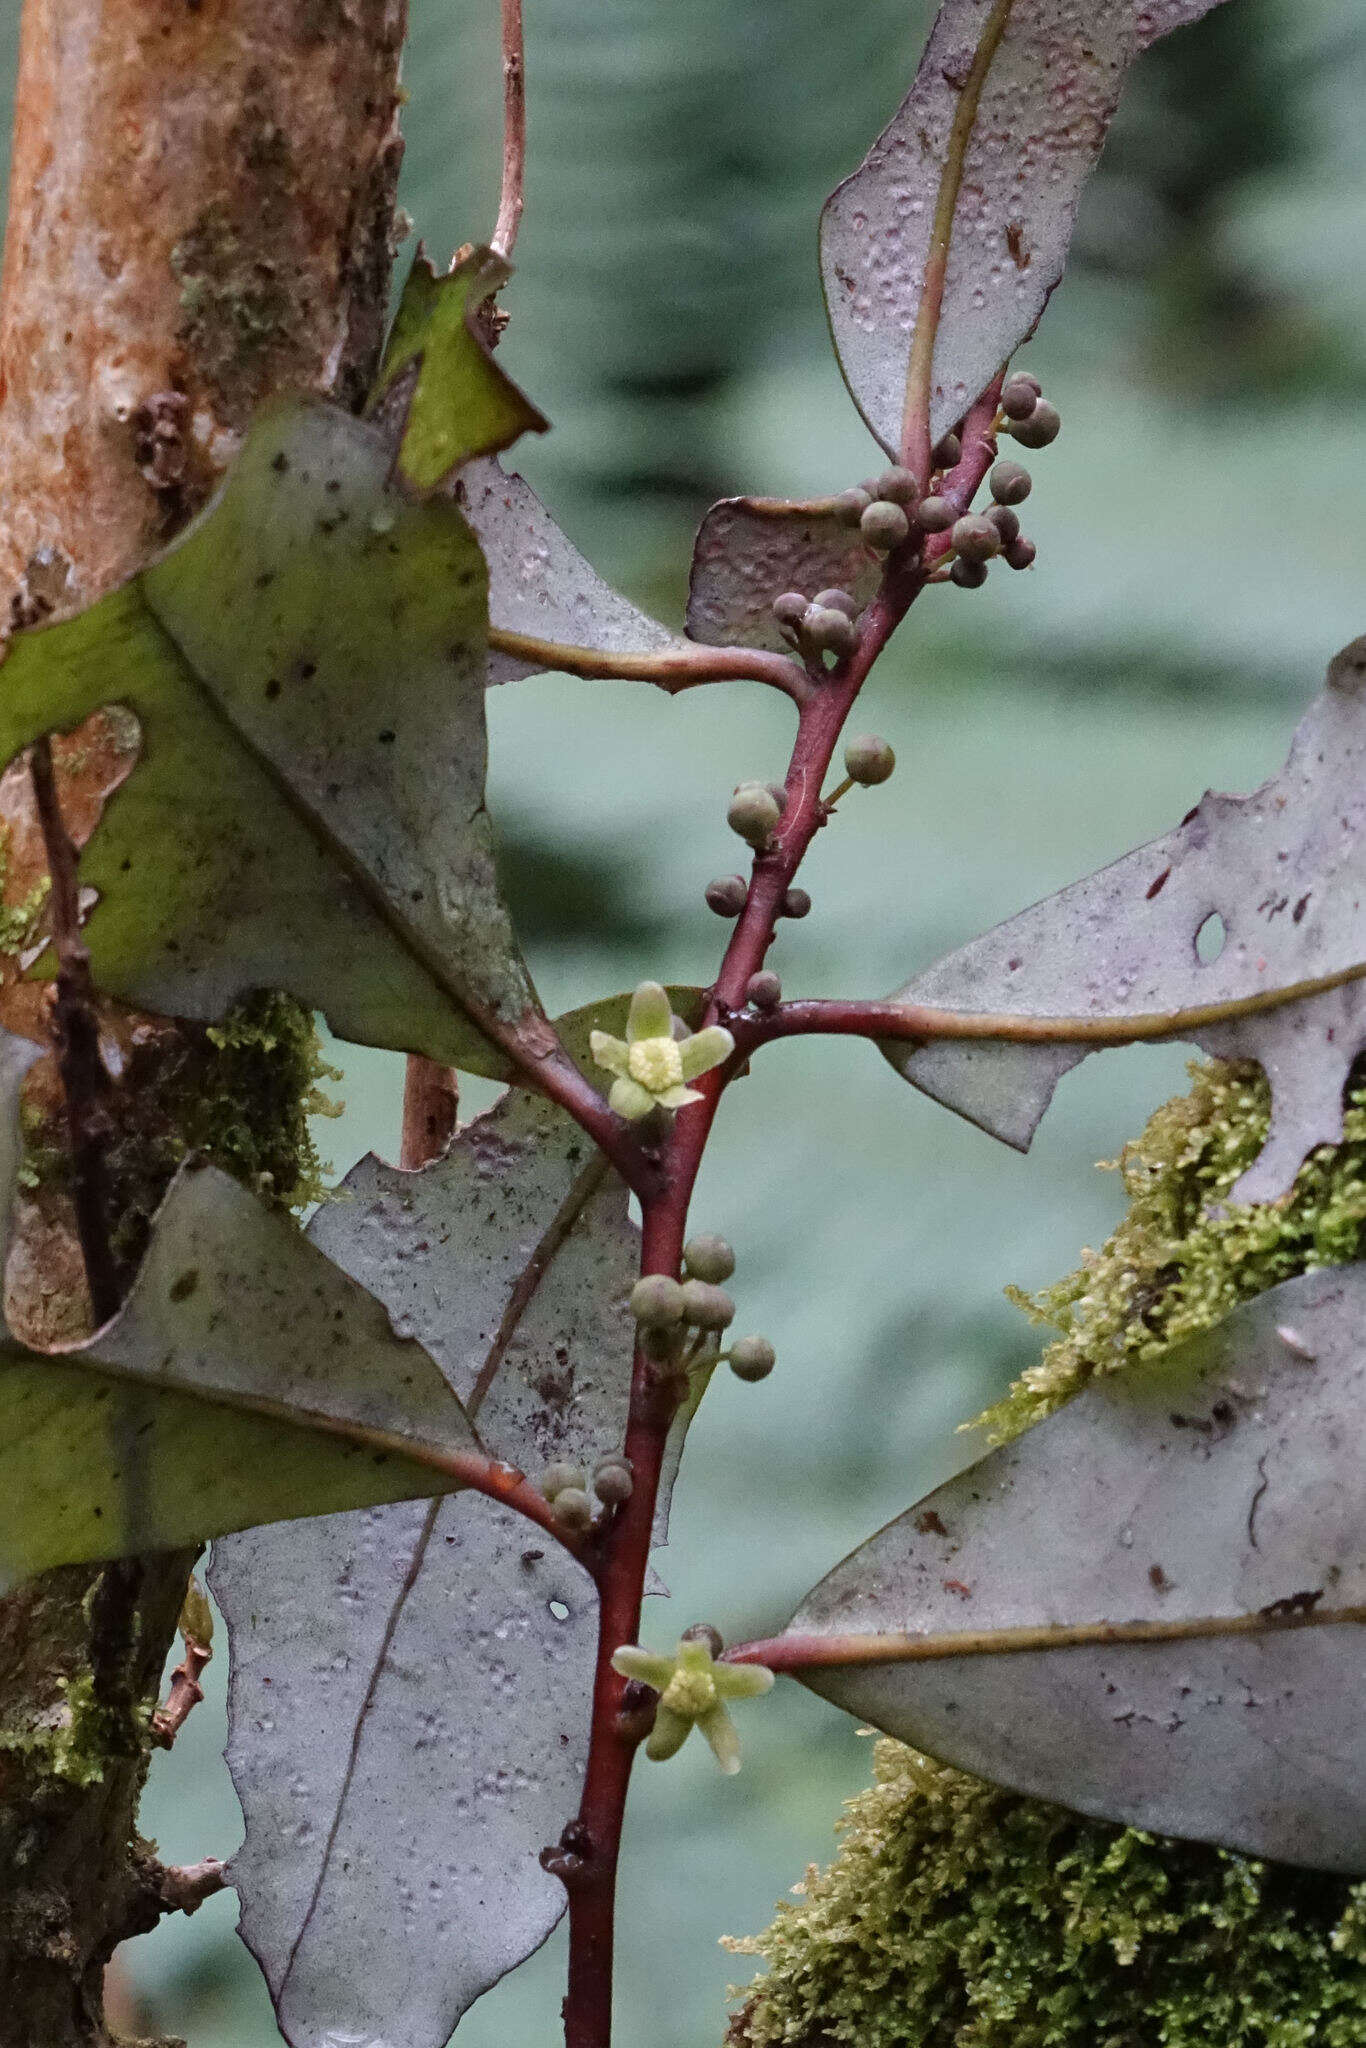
669 1734
650 1015
630 1100
677 1097
633 1662
704 1050
742 1681
608 1052
719 1730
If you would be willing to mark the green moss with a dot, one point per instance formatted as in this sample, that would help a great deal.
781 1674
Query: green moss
960 1916
75 1741
1184 1255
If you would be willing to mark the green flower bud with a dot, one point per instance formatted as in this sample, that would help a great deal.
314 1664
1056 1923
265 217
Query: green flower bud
898 486
837 601
949 452
614 1482
975 538
868 759
936 515
790 608
1006 522
1010 483
968 575
764 990
796 903
703 1632
752 1358
1020 395
752 813
657 1301
558 1477
1021 553
726 896
884 526
1042 427
573 1511
831 631
708 1257
707 1307
850 506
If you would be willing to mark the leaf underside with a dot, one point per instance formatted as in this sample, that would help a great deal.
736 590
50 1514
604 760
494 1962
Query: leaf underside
1046 105
750 550
1224 1481
1284 869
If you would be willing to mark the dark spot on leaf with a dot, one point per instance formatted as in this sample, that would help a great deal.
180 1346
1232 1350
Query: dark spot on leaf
1291 1604
929 1524
1158 1579
1156 888
1298 912
279 463
273 688
184 1284
387 737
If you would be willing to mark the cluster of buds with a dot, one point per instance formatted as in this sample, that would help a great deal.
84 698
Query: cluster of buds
681 1321
572 1491
821 625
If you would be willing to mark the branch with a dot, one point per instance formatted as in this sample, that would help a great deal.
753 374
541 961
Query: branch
183 1887
431 1105
84 1080
677 668
920 1023
809 1653
184 1696
514 130
916 445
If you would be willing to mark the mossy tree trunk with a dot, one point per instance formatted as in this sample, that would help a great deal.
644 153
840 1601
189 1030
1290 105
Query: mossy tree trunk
201 212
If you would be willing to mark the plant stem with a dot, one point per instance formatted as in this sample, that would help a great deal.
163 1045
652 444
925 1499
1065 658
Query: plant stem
672 669
431 1105
514 129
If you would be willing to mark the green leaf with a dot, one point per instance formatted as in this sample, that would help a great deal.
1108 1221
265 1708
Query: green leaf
307 668
458 403
1150 1607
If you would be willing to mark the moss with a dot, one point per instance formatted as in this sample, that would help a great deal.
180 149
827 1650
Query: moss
76 1739
960 1916
1183 1256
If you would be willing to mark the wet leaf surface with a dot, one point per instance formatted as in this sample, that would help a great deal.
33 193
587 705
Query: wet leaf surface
1222 1484
1277 879
751 550
1047 102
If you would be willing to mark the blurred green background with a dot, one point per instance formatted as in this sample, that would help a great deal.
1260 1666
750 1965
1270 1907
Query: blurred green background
1202 535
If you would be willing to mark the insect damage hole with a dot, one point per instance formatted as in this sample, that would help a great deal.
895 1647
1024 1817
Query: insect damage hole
1211 939
558 1610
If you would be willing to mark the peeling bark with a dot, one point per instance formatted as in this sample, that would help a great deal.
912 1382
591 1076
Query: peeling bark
201 216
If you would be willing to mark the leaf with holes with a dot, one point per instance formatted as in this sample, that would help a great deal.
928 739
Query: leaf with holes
307 669
1279 877
1150 1607
750 550
439 385
540 586
447 1641
998 134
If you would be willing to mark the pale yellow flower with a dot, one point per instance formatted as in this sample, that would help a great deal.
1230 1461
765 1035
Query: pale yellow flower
651 1066
693 1689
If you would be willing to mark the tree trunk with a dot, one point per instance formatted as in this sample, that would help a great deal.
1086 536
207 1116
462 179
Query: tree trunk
201 213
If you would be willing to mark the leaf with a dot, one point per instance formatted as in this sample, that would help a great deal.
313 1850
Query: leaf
1210 1504
539 583
1282 868
379 1907
1046 103
245 1379
306 666
456 402
749 550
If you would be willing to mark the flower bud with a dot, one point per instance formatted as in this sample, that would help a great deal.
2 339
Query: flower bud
778 792
898 486
968 575
830 631
1020 553
657 1301
1042 427
752 813
703 1632
837 601
868 759
1006 522
949 452
708 1257
726 896
613 1482
556 1478
884 526
1010 483
936 515
975 538
707 1307
1020 395
764 990
790 608
752 1358
850 506
796 903
573 1511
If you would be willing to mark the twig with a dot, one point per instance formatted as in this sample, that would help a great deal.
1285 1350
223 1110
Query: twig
431 1105
674 669
514 130
184 1695
85 1083
183 1887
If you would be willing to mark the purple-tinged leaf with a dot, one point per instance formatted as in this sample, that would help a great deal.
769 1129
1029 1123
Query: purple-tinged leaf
540 586
1279 874
750 550
1047 101
1197 1525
